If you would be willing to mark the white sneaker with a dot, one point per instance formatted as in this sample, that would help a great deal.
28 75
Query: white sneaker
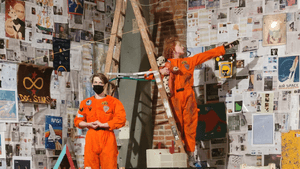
192 161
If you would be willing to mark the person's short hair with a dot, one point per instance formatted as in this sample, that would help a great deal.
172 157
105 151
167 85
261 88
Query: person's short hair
101 76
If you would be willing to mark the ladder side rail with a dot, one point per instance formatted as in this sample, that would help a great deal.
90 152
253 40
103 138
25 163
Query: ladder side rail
154 67
113 36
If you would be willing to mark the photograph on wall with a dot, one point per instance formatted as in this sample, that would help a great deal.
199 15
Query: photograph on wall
53 132
22 162
288 72
274 29
196 4
211 92
265 101
15 19
262 129
8 106
272 158
211 4
2 145
211 121
61 30
61 52
34 83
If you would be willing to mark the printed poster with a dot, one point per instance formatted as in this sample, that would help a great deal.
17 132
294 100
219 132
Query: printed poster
34 83
61 49
53 132
15 19
76 7
288 72
211 121
8 106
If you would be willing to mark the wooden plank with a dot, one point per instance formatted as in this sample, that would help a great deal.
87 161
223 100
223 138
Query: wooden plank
113 36
152 60
70 159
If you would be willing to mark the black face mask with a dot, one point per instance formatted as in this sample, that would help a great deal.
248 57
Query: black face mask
98 89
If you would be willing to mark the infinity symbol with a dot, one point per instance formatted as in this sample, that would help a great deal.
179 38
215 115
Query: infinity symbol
33 83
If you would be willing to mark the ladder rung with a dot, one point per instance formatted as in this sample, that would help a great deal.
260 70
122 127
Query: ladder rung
119 36
122 13
116 61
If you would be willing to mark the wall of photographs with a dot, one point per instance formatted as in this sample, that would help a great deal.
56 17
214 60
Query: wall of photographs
258 82
38 105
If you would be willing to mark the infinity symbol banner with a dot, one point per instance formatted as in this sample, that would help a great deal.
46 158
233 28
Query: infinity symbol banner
34 83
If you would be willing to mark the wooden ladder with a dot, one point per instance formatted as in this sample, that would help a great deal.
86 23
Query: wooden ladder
114 50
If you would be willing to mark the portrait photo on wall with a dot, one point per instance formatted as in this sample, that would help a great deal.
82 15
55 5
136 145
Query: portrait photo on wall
274 29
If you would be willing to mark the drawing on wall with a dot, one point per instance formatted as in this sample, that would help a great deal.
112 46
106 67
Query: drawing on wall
76 6
274 29
15 19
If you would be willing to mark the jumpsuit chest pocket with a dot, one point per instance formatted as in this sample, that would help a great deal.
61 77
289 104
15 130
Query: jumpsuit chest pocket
108 113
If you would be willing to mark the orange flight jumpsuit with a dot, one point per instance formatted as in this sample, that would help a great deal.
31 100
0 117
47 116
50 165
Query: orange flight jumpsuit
100 144
183 101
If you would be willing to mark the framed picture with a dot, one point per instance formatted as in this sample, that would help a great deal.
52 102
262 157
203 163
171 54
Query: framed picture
2 145
22 162
274 29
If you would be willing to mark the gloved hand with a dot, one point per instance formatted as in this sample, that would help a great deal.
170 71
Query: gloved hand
232 44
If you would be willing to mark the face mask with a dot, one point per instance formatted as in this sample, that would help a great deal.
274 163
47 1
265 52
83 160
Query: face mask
98 89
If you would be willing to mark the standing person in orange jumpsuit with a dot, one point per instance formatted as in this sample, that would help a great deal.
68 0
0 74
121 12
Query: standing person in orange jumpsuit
183 101
101 114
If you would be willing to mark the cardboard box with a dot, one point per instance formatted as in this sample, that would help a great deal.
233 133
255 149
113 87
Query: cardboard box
163 158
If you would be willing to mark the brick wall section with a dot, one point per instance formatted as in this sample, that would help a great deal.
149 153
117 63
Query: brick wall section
168 18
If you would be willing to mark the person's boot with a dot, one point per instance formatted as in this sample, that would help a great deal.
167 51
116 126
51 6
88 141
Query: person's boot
191 161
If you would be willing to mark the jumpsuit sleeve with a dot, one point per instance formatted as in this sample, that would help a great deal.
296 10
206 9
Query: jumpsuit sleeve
202 57
149 76
119 118
81 115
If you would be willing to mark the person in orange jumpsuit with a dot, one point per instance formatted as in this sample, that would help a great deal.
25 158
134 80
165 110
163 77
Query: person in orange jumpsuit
183 100
101 114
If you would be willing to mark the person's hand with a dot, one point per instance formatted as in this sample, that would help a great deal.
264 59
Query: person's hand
164 71
94 125
98 123
231 45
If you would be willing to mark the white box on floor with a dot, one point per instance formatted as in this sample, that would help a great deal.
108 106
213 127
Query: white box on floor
163 158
